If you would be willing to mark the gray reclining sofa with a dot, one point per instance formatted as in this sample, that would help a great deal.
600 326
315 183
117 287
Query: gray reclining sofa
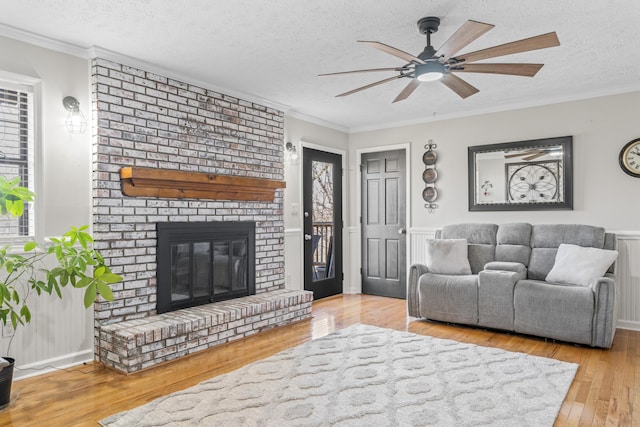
507 289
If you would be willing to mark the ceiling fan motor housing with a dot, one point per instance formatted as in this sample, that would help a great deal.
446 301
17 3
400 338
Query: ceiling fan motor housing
428 25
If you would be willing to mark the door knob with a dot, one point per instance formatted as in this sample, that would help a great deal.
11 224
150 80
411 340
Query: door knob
307 237
402 231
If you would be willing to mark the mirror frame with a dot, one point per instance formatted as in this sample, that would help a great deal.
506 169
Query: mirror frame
567 174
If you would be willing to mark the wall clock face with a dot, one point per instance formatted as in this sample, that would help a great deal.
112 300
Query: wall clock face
630 158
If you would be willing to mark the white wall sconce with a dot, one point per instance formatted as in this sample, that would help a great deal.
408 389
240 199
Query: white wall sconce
75 122
292 153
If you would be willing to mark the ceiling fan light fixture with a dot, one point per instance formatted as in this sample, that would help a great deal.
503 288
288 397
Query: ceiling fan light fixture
429 72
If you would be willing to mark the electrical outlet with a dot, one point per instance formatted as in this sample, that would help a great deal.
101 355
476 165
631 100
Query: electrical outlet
7 330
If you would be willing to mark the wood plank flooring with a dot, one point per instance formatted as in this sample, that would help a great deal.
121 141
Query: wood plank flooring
605 392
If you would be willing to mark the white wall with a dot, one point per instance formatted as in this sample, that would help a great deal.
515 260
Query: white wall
61 331
600 127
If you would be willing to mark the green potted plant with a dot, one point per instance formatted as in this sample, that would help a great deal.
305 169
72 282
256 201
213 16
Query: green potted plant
24 275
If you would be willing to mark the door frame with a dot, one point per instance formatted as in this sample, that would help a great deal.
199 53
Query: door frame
345 207
357 288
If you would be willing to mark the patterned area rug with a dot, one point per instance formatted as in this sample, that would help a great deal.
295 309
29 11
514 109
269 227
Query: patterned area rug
369 376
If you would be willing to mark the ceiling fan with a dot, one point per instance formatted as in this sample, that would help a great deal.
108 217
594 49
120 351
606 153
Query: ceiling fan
441 64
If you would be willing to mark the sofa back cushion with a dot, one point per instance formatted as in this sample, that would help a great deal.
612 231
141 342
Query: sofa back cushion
514 243
481 240
545 239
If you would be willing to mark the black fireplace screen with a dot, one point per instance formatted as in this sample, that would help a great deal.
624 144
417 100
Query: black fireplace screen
204 262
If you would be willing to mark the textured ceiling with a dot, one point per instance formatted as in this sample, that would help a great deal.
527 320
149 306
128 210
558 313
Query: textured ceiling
274 50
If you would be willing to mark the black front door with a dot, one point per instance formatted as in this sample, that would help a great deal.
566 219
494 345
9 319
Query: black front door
322 200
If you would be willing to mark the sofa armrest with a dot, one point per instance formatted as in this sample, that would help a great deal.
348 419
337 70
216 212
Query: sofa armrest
605 317
516 267
415 271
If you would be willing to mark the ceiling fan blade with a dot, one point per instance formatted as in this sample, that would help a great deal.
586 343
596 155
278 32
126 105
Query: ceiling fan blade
393 51
364 71
525 70
535 156
520 154
542 41
369 86
468 32
459 86
407 91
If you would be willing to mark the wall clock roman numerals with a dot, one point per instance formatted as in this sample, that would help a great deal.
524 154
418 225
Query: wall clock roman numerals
630 158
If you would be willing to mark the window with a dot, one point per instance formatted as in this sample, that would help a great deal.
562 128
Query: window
16 151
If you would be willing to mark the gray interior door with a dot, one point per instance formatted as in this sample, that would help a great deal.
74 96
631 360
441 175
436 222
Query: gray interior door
384 255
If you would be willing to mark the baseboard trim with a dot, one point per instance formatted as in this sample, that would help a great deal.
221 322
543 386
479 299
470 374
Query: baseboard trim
628 324
53 364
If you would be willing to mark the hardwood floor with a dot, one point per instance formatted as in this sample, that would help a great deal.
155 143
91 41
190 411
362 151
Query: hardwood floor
605 391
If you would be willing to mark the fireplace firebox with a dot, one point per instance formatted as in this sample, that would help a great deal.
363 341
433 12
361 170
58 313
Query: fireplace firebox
203 262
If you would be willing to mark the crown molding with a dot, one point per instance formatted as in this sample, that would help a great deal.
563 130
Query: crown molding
311 119
44 42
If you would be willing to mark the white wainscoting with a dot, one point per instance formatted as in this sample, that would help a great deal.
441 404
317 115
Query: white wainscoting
627 271
293 259
60 334
628 275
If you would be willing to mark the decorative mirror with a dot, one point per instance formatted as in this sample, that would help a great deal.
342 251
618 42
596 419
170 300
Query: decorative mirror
524 175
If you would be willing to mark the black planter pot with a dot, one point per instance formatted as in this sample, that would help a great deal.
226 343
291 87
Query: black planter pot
6 377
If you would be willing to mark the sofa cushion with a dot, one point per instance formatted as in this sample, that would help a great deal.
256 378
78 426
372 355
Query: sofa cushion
563 312
541 263
514 243
480 255
515 233
449 298
484 234
553 235
447 256
580 266
546 238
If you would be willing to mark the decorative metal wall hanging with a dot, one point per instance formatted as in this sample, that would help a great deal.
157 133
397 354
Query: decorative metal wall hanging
430 176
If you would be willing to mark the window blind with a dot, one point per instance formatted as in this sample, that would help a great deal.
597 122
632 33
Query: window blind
16 151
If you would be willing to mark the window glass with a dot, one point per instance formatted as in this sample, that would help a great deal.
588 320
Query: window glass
16 152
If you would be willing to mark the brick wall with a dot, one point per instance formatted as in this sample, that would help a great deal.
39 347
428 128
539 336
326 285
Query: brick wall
147 120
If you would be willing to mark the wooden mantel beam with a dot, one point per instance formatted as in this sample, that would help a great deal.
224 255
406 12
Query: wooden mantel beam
167 183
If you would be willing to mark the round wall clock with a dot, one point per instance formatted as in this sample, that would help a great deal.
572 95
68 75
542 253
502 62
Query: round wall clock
630 158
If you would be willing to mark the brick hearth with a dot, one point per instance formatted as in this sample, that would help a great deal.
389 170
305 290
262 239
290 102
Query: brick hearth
138 344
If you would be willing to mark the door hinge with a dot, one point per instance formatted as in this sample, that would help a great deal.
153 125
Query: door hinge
361 167
342 276
361 271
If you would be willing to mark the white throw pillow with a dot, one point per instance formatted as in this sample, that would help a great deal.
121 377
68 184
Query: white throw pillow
447 256
578 265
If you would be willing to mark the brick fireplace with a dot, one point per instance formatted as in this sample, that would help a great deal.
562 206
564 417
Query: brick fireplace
146 120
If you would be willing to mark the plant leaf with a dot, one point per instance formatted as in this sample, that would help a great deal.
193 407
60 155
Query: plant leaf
29 246
98 272
90 295
105 291
24 312
111 278
84 282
